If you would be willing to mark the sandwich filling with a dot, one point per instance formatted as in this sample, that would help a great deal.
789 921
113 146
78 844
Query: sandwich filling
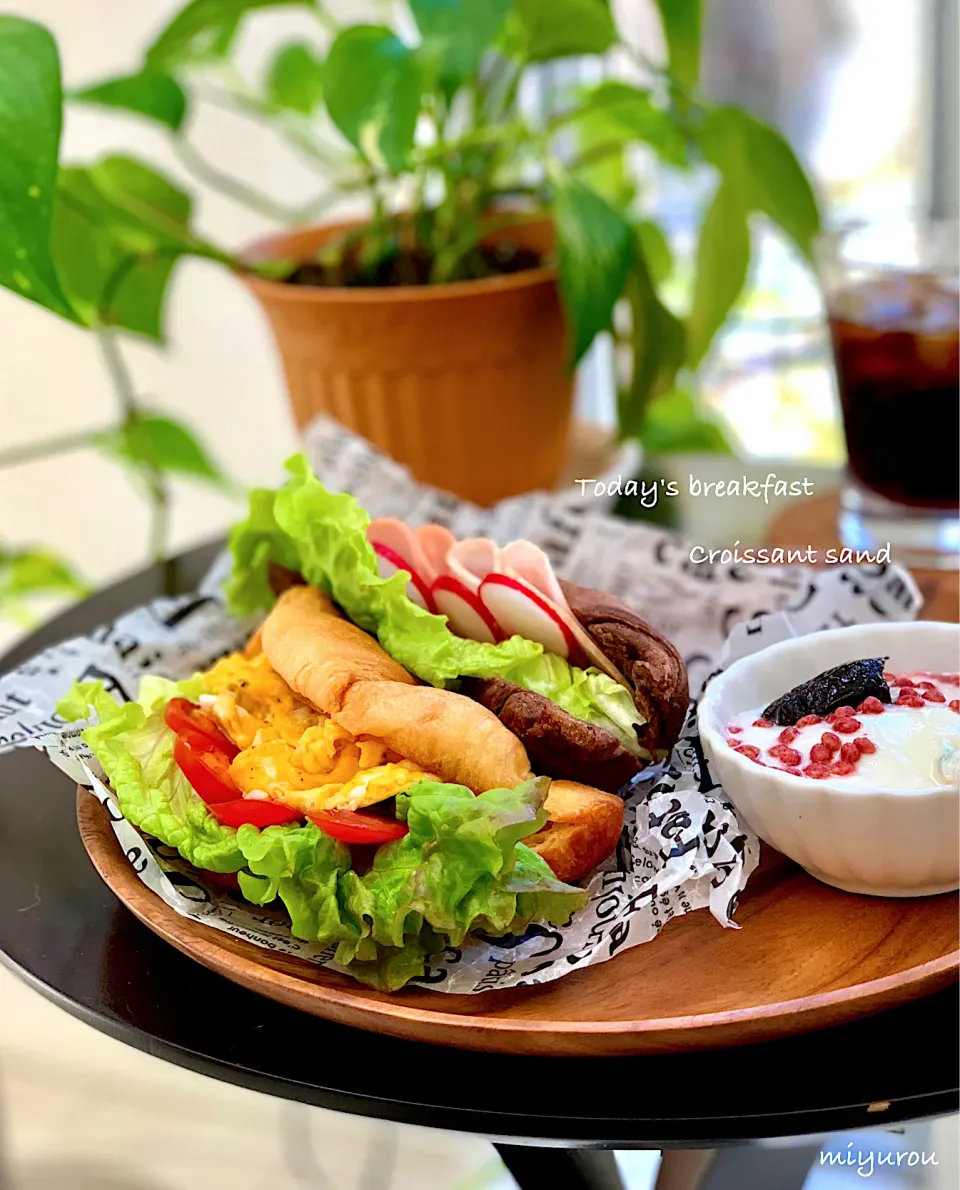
292 753
454 860
323 536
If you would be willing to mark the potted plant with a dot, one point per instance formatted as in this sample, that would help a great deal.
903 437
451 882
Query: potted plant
444 325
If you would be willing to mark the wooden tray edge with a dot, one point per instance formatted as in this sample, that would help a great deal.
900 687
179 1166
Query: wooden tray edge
356 1008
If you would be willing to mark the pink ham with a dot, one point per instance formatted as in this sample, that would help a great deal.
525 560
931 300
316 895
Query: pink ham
528 564
436 542
472 559
397 548
524 560
486 593
397 535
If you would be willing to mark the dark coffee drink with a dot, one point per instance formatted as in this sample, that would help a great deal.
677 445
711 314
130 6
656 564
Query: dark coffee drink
897 351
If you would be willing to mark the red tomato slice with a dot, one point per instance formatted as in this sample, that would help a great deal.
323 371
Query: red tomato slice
351 827
221 879
205 767
242 811
181 715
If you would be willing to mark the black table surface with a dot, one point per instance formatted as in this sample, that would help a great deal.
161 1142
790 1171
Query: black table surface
64 932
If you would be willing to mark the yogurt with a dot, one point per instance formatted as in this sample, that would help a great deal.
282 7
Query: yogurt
913 742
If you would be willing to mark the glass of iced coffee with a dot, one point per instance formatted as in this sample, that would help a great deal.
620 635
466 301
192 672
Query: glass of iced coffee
892 301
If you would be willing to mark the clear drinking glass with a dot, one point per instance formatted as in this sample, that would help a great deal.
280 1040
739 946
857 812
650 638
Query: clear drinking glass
891 292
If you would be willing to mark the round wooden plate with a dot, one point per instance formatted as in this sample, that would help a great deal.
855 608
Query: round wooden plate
807 956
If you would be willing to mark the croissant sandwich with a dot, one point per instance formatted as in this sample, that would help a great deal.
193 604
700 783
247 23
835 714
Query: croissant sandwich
590 689
389 817
423 739
340 670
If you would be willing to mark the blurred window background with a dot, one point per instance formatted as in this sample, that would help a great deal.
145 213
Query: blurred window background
851 84
865 90
866 93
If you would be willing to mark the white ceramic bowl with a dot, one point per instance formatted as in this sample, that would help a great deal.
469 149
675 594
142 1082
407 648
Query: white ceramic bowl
884 842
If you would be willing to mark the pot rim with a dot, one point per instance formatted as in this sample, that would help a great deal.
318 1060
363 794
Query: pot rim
270 248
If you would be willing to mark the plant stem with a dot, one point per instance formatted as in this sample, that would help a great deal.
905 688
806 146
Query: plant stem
497 88
118 372
237 98
156 487
606 149
480 138
306 144
660 72
17 455
316 207
232 187
160 516
105 315
469 236
328 23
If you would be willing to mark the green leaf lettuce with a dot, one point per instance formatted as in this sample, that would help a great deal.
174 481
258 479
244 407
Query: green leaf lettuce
461 868
135 748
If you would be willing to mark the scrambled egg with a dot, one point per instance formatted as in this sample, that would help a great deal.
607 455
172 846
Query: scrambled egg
291 752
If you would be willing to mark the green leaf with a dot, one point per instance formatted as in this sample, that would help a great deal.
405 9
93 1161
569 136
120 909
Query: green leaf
606 174
372 86
766 169
163 445
658 348
31 102
88 255
655 249
511 41
146 197
295 78
723 255
457 33
566 28
204 29
675 425
119 219
594 249
156 96
135 747
681 28
223 37
34 570
622 110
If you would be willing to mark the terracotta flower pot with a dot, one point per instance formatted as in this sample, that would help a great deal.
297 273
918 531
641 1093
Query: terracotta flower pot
465 383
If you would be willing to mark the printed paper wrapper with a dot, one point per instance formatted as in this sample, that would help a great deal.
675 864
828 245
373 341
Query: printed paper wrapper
682 848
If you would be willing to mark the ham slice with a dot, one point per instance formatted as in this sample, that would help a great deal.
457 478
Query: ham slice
526 561
397 548
397 536
472 559
528 564
446 576
436 542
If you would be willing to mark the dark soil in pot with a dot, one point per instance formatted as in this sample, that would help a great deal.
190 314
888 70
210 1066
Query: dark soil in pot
413 267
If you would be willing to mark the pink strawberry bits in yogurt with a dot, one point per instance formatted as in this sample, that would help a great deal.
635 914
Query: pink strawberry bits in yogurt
911 743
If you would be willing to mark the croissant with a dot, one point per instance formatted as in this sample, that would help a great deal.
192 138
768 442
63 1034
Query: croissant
343 671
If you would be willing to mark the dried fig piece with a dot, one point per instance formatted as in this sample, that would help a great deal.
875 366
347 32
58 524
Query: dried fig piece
844 685
652 667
